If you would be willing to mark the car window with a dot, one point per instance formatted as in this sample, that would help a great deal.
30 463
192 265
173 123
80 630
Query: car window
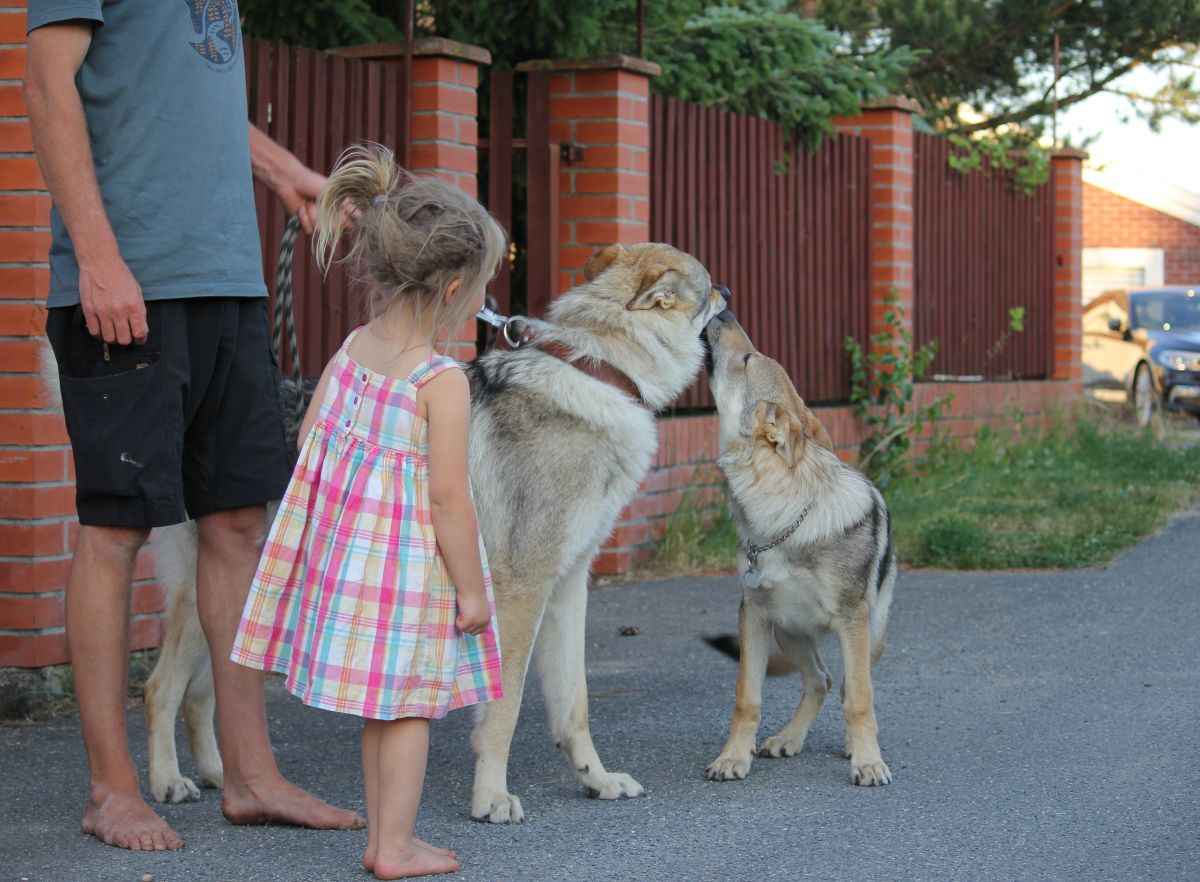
1167 311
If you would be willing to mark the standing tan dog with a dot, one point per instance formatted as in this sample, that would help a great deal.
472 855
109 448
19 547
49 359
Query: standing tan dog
816 557
562 433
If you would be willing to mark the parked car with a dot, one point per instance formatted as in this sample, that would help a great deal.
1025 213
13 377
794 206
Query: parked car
1143 348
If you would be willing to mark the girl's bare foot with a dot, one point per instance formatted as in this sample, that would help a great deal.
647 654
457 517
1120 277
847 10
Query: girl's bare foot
412 861
369 854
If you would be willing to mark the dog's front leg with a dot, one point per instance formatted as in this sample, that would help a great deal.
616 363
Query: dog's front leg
199 710
184 651
560 658
866 763
519 618
755 635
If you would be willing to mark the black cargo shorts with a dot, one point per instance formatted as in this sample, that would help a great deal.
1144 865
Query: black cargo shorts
183 425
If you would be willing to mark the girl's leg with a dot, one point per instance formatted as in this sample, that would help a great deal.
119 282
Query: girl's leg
403 749
370 763
372 729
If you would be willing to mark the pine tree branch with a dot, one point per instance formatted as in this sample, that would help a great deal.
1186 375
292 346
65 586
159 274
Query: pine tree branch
1039 107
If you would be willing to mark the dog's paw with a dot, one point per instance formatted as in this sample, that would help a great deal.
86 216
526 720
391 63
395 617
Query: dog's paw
213 779
729 768
175 789
614 785
502 809
873 773
778 746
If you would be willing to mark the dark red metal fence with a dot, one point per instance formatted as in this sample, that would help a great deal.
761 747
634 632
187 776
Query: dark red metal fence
316 105
982 248
788 231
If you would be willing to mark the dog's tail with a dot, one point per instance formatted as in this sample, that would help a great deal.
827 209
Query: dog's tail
778 663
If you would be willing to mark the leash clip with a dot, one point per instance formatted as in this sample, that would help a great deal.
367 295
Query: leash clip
512 328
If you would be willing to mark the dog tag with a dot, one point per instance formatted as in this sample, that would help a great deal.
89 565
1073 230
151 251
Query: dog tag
752 578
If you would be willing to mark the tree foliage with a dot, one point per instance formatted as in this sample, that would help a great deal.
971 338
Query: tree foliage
320 24
758 57
997 56
763 59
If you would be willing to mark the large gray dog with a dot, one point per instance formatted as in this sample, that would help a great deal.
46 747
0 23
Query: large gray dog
562 433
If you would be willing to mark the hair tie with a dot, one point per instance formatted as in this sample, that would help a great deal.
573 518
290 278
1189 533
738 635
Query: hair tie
380 198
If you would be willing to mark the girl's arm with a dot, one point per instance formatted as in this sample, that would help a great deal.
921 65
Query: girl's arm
314 406
447 399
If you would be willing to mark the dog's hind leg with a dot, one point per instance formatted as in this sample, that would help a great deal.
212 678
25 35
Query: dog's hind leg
755 635
199 710
817 682
866 763
497 720
560 659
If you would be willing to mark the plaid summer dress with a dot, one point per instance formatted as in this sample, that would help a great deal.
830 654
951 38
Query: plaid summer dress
352 600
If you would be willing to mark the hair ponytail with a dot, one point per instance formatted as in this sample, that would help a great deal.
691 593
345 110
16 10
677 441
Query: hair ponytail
363 173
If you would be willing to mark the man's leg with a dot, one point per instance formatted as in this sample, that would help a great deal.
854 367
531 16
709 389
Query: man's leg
230 544
98 637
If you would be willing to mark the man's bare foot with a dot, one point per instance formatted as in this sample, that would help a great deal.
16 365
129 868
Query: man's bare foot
369 854
412 861
282 802
124 820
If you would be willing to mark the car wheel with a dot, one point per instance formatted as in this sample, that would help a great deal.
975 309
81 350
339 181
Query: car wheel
1143 396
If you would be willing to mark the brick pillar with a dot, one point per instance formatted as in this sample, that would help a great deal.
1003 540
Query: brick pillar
445 112
445 119
888 124
1067 180
603 106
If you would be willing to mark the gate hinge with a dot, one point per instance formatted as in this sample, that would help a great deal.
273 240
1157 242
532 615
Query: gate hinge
571 152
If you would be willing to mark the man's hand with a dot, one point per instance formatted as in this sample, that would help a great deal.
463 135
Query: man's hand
300 195
112 302
293 182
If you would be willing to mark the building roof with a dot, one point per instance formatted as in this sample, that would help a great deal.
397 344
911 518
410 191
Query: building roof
1136 184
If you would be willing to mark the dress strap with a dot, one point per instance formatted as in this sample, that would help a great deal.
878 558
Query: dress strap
350 337
437 365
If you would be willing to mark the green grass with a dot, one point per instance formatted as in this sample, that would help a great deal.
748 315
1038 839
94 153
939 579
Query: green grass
697 540
25 702
1074 496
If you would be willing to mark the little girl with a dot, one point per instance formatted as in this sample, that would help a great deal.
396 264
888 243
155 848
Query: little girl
376 544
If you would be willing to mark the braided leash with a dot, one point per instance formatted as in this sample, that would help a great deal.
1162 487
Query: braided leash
284 312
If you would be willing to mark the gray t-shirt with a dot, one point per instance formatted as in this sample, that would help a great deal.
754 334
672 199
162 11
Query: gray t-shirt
164 92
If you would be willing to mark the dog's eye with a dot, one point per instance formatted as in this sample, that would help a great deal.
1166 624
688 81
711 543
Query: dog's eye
746 360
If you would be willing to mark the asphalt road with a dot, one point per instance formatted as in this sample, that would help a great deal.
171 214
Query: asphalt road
1040 726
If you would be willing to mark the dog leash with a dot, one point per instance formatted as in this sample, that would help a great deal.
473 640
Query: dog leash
517 333
752 578
285 315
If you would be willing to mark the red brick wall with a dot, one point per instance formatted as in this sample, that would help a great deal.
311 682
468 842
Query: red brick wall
1112 221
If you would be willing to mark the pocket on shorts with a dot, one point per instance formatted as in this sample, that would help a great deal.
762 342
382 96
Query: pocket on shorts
115 417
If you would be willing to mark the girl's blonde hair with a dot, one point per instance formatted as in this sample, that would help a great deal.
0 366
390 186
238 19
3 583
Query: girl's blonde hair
414 235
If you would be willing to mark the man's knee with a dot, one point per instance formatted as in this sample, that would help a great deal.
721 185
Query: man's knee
112 542
235 527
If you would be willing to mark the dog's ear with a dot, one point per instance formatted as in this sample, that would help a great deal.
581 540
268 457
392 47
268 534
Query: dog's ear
776 426
654 289
815 430
601 260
